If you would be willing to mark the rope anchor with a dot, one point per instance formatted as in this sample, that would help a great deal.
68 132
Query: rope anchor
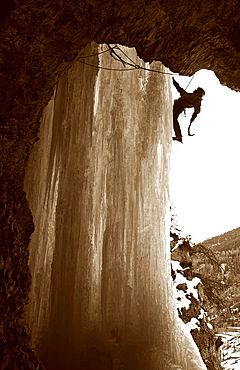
125 64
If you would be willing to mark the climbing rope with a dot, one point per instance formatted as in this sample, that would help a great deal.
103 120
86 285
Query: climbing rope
93 55
106 68
190 81
125 63
130 63
112 49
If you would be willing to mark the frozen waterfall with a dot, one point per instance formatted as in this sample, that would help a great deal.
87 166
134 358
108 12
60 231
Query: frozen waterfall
97 183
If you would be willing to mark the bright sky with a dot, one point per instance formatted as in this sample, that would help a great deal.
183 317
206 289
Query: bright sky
205 175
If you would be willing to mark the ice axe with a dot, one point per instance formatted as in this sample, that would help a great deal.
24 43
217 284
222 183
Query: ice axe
189 130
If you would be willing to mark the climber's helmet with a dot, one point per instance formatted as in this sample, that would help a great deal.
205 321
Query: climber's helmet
199 91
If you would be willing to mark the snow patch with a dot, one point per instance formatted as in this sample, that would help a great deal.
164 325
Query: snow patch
230 350
191 287
193 324
209 325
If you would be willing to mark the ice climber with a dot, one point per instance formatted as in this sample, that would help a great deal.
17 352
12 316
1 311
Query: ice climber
187 100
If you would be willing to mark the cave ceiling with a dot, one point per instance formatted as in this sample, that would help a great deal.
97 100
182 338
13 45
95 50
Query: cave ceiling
185 35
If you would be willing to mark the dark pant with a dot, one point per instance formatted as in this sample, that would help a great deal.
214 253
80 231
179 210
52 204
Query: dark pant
177 109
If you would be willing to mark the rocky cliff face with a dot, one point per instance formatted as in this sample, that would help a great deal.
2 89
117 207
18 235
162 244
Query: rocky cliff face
39 42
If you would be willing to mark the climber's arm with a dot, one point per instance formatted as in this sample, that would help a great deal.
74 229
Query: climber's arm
178 87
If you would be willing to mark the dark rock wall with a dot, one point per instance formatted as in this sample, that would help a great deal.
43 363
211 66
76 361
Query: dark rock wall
38 42
186 36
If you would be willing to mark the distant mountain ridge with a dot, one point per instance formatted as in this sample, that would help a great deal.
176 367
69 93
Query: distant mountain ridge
224 242
226 248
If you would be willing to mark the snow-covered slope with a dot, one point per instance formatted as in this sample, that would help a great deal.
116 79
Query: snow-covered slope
230 349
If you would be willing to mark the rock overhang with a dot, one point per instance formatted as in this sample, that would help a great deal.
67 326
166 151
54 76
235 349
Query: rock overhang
185 36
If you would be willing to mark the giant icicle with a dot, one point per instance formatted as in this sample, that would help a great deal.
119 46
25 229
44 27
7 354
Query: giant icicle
97 182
